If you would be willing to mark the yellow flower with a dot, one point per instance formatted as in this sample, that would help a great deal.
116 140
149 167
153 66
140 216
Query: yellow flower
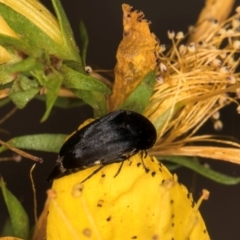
132 205
38 15
193 82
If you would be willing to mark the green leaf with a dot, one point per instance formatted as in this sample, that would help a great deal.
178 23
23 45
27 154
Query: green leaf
19 218
95 99
139 98
52 84
193 164
172 167
38 142
15 43
67 33
63 102
4 101
7 229
5 77
31 34
83 42
162 119
77 80
23 90
26 65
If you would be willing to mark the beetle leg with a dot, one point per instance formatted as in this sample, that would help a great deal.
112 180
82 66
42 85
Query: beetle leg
144 155
93 173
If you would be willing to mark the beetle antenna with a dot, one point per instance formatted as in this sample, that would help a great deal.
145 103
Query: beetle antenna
119 169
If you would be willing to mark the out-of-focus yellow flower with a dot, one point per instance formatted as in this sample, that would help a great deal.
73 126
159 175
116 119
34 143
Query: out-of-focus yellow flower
5 56
38 15
132 205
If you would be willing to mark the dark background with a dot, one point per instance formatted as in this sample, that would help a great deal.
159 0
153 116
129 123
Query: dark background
103 20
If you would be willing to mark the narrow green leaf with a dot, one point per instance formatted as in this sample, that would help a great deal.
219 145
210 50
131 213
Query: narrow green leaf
172 167
76 80
19 218
63 102
83 42
38 142
199 168
7 229
31 34
139 98
5 77
26 65
52 83
95 99
162 119
67 33
15 43
23 90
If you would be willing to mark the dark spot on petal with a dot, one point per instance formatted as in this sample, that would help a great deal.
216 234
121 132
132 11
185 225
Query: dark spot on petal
103 175
99 205
138 164
134 237
193 204
153 174
109 218
172 224
171 201
160 169
155 237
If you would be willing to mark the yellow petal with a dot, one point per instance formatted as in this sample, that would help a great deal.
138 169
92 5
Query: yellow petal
134 204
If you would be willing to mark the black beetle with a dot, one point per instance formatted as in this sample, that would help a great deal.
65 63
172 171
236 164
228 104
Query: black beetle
109 139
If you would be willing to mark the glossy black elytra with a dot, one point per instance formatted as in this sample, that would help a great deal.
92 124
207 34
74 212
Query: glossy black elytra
109 139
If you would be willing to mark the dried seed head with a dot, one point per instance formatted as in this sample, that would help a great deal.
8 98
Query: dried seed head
182 49
192 47
218 125
216 115
238 10
159 79
180 35
163 67
236 44
162 48
231 79
88 69
238 109
171 34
